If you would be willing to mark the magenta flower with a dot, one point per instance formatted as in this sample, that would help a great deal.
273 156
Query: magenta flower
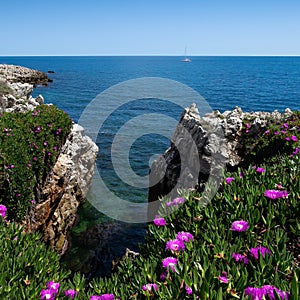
188 290
285 125
260 170
107 297
163 276
287 139
175 201
223 277
149 287
47 295
184 236
95 297
37 129
264 291
260 249
175 245
294 138
267 131
159 221
296 151
240 257
241 175
53 286
45 143
169 262
276 194
71 293
239 226
229 180
3 211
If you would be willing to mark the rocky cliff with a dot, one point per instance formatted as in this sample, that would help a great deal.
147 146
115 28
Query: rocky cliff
16 86
66 186
64 190
220 141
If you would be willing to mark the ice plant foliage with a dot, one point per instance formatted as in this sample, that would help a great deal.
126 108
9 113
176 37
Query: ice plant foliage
239 226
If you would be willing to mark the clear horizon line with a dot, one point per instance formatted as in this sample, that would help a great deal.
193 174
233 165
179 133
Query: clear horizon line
149 55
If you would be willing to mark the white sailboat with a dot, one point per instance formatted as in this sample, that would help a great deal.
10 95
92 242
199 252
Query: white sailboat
186 59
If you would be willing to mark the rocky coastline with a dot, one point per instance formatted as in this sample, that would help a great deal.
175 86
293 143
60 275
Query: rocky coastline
65 188
222 141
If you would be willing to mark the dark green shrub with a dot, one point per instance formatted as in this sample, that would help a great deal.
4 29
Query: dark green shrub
29 145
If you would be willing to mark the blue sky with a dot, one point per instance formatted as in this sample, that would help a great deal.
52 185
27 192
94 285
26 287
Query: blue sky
152 27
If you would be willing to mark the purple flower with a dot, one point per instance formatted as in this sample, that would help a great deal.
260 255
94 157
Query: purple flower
107 297
149 287
285 125
53 286
239 226
175 245
169 262
37 129
229 179
287 139
188 290
178 201
294 138
267 131
71 293
3 210
275 194
159 221
47 294
264 291
163 276
45 143
263 250
254 293
260 170
95 297
276 132
184 236
241 175
223 277
240 257
296 151
55 148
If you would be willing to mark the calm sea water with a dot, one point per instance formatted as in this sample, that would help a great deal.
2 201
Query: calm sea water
253 83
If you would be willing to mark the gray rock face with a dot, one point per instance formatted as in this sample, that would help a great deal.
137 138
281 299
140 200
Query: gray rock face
64 190
218 142
19 74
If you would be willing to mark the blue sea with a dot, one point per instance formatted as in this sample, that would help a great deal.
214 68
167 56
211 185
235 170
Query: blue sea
253 83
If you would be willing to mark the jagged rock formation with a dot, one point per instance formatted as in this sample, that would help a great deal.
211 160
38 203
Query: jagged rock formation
19 74
66 186
17 84
64 191
219 139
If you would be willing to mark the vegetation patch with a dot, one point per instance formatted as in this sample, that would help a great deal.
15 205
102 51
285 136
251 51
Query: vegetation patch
243 245
30 143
